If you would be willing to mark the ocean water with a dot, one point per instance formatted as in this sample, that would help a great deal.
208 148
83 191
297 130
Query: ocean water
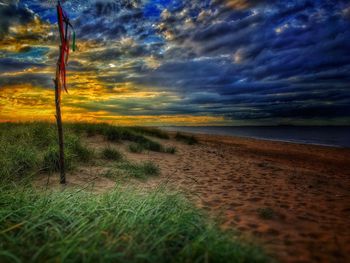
324 135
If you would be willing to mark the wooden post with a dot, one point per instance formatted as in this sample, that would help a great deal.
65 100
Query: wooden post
59 126
58 90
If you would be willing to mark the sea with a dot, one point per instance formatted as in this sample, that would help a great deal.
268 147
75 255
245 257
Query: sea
336 136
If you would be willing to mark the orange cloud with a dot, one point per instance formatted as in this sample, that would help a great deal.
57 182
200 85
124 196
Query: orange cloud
28 103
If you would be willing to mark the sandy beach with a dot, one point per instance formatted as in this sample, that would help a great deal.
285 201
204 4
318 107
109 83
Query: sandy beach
292 199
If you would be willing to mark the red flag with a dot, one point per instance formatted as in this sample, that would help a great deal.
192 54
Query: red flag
63 24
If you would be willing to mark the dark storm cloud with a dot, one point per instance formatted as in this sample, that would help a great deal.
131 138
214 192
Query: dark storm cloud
12 14
8 65
110 20
36 80
243 59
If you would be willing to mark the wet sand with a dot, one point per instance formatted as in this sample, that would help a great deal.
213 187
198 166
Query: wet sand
292 199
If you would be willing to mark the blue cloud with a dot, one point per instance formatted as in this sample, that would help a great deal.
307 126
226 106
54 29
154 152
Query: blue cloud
263 60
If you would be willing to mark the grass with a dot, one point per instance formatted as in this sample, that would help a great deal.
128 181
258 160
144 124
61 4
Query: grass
135 148
135 135
154 132
28 148
139 148
125 225
171 150
189 139
117 134
110 153
142 170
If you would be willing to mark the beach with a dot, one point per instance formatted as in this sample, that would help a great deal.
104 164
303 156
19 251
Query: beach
292 199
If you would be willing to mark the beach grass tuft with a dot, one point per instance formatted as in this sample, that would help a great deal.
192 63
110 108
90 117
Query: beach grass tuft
189 139
171 150
27 148
138 170
150 131
111 153
135 148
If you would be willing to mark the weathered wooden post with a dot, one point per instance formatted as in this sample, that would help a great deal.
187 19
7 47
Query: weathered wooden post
59 129
60 81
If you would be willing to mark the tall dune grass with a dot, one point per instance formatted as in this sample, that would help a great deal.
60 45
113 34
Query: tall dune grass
27 148
117 134
32 148
124 225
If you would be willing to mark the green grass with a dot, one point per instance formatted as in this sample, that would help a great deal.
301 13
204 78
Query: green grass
50 161
117 134
110 153
132 134
138 170
140 147
126 169
28 148
125 225
150 131
135 148
171 150
189 139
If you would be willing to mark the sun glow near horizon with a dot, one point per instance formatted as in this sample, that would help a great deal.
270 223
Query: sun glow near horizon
27 103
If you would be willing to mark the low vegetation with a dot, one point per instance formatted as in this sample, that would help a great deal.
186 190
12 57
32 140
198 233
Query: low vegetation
117 134
189 139
141 170
32 148
154 132
124 225
171 150
110 153
135 148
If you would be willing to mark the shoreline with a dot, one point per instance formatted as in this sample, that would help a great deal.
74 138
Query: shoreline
173 129
264 139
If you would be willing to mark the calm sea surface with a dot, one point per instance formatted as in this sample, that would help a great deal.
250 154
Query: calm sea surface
329 136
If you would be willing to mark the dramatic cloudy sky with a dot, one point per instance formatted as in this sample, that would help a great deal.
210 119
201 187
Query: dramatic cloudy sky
180 62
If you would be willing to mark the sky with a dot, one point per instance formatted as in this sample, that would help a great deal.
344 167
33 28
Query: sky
180 62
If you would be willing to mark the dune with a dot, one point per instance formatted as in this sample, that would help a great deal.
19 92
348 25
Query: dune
293 199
